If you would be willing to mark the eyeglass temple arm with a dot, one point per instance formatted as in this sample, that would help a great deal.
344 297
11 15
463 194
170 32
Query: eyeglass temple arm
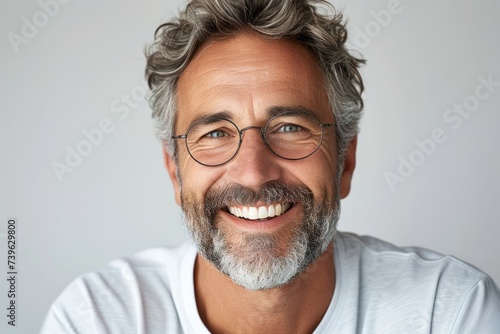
179 136
327 125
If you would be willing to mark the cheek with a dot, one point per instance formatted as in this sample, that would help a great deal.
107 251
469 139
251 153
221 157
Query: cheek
197 179
316 172
320 172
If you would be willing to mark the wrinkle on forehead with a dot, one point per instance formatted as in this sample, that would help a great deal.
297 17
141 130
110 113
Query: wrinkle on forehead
253 52
243 68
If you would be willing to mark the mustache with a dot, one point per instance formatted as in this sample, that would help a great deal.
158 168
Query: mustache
272 191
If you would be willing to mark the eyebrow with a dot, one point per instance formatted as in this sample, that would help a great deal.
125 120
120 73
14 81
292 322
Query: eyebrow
210 118
273 111
289 110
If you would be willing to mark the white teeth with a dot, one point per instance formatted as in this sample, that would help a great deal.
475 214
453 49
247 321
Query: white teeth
270 211
278 209
262 212
253 213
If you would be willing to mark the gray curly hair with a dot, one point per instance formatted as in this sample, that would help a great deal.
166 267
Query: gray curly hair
313 23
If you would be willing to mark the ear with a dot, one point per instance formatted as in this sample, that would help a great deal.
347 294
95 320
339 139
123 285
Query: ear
172 172
349 165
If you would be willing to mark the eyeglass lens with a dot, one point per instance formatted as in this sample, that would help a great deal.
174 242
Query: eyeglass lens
293 137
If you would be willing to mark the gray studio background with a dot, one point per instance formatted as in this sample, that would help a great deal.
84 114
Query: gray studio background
83 69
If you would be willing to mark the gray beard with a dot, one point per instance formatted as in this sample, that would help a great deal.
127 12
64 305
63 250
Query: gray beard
254 262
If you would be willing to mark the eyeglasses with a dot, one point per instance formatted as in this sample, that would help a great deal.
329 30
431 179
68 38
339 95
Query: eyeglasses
292 135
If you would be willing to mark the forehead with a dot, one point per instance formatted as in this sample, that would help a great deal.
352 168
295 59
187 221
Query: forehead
245 75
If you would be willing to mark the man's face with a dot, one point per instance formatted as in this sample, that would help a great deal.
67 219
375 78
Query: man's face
246 76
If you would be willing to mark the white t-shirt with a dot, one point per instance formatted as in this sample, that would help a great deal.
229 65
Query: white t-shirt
380 288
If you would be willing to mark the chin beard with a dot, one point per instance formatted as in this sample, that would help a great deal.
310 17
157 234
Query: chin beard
257 261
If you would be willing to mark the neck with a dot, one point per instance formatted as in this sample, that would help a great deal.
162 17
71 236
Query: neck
296 307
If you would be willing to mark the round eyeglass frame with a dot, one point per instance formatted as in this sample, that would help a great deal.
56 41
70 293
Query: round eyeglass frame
263 131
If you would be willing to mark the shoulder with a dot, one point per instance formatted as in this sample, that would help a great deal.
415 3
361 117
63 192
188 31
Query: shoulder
133 289
419 289
376 254
157 266
380 264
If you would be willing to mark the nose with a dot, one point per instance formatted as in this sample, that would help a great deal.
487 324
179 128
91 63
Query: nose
254 164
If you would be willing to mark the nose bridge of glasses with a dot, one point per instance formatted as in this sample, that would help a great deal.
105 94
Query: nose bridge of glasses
253 142
261 130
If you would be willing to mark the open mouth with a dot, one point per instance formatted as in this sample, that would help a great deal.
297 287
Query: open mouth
259 212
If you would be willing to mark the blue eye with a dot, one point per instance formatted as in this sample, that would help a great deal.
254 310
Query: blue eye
289 128
216 134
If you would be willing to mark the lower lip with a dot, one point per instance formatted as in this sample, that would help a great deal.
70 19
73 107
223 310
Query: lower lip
268 225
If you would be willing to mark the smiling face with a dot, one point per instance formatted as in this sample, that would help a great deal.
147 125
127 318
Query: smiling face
259 218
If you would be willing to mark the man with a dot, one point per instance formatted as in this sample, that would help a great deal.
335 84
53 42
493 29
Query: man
257 103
